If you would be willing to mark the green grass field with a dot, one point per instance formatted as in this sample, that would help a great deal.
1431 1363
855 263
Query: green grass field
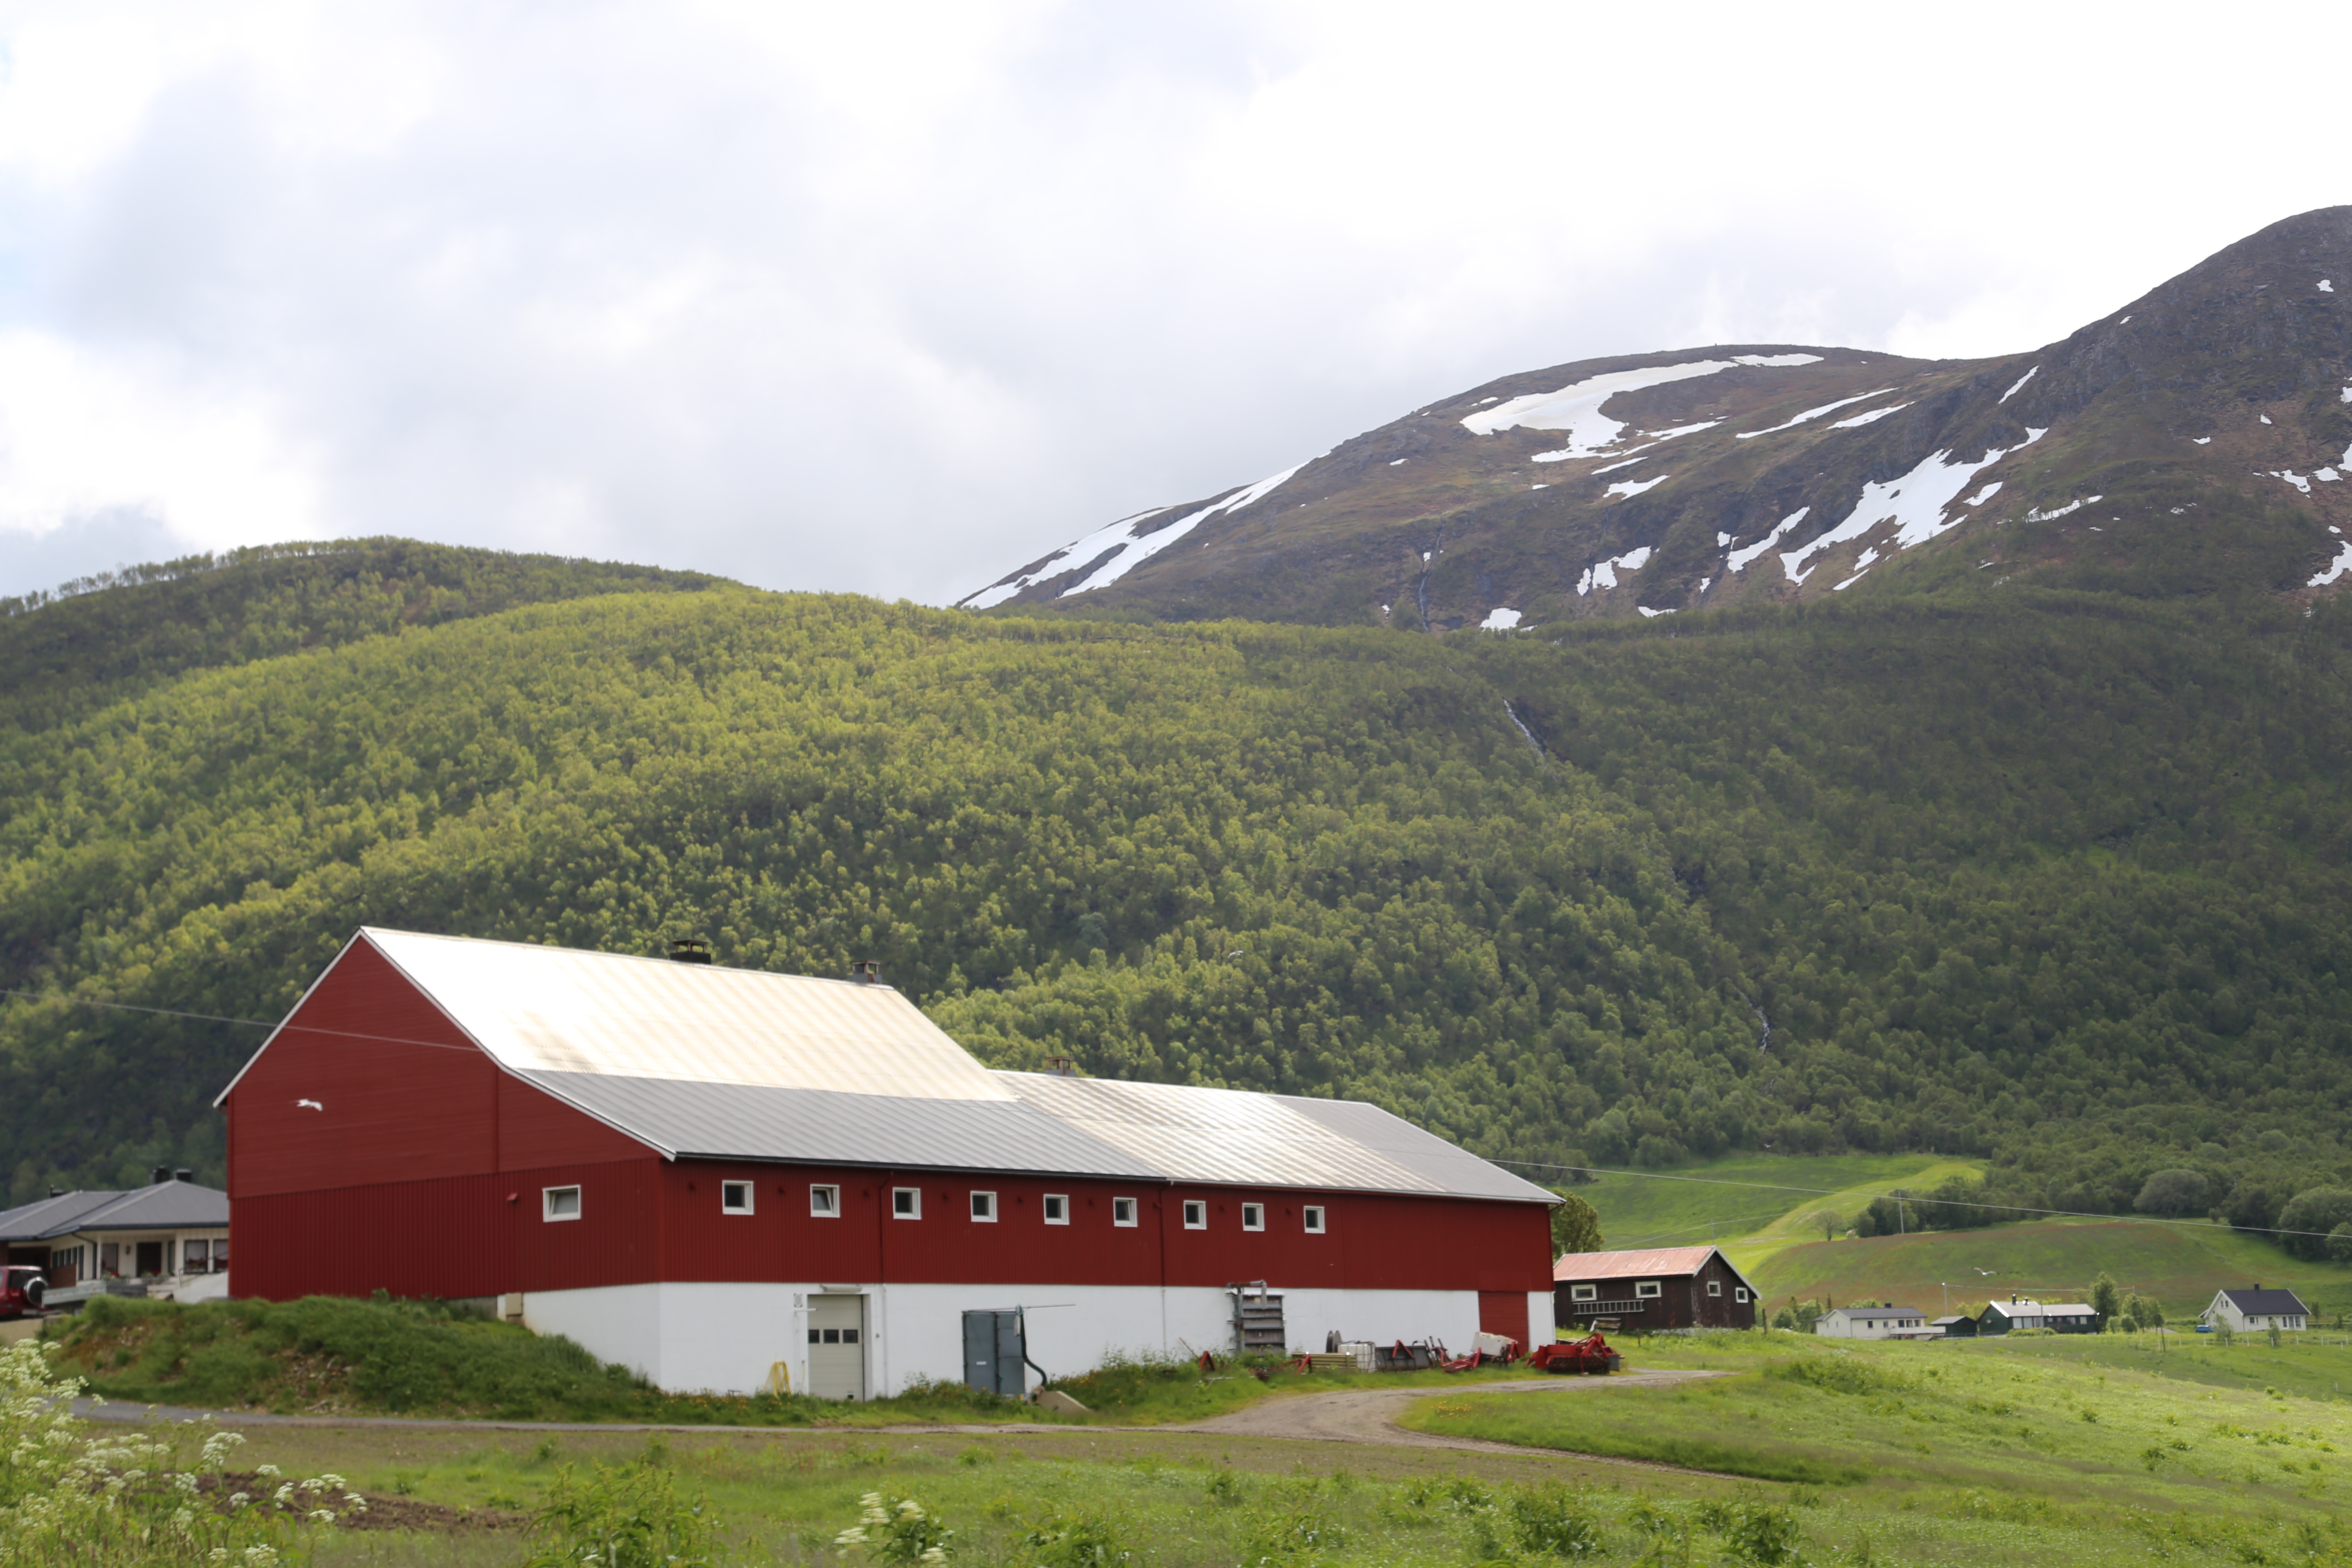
2049 1259
2100 1451
1722 1200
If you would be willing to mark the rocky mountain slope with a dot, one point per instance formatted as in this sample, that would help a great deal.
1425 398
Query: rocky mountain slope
2197 440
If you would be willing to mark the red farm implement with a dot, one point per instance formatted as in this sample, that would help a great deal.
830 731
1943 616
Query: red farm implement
1589 1354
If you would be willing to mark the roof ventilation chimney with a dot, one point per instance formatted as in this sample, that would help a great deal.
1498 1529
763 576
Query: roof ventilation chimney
161 1175
1062 1066
689 950
184 1176
57 1192
866 971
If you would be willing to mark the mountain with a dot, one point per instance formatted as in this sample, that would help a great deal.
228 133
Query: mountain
2198 440
2052 877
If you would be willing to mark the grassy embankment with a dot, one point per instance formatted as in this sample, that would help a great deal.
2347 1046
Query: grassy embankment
326 1355
2081 1451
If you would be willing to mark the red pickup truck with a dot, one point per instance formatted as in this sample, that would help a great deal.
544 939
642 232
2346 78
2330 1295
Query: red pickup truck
21 1291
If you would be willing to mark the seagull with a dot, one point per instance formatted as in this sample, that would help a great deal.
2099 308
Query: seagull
1237 953
311 1103
1987 1272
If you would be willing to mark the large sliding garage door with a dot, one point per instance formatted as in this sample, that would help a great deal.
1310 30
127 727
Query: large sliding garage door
836 1347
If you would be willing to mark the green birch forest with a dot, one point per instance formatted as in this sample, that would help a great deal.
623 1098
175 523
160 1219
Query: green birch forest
2055 879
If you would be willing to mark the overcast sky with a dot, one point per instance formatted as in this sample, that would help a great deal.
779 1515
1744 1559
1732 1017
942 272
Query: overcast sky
893 298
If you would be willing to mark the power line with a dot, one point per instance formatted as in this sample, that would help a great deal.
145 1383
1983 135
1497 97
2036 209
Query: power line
241 1022
1898 1197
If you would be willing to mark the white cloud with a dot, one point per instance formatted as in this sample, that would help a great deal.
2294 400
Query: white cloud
894 299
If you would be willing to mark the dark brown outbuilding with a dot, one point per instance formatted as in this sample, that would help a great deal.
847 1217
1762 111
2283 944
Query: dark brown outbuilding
1661 1288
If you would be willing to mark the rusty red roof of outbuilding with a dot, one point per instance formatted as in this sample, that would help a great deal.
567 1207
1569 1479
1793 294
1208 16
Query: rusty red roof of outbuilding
1661 1262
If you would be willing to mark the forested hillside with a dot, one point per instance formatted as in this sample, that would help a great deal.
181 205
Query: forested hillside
2058 879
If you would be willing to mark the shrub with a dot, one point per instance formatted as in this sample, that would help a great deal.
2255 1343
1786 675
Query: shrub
1555 1522
2306 1224
891 1530
1085 1541
628 1516
1753 1530
2173 1193
2340 1243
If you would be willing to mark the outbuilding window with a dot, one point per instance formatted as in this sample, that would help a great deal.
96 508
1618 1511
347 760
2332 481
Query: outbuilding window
735 1198
984 1208
1196 1214
1647 1290
1584 1293
1714 1287
1253 1217
559 1203
1057 1208
906 1202
1122 1212
824 1202
1313 1213
1740 1293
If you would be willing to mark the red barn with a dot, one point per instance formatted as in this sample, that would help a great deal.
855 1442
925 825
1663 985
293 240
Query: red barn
702 1172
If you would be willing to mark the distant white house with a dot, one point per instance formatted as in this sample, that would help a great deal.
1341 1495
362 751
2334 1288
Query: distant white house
1873 1322
2257 1308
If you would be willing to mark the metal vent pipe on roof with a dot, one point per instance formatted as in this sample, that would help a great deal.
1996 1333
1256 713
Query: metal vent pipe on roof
689 950
184 1176
866 971
158 1177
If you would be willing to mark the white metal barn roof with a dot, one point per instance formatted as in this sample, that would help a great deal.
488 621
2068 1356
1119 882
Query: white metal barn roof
697 1059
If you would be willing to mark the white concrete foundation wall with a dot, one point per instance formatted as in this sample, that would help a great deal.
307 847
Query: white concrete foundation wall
724 1338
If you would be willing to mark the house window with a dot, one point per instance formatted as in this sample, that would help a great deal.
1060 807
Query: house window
1196 1214
824 1202
1057 1209
1122 1212
1583 1292
984 1208
906 1202
559 1203
734 1197
1253 1217
1714 1287
1313 1213
1647 1290
1740 1293
196 1257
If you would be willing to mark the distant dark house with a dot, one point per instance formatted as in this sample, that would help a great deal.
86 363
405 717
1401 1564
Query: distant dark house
2059 1316
1664 1288
2258 1308
1959 1327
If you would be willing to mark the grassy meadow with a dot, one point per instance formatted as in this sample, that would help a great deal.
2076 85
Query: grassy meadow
1685 1205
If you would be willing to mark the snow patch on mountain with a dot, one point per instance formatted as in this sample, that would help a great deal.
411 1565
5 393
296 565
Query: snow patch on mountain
1738 559
1499 620
1603 574
1859 420
2299 481
2335 568
1814 414
2054 513
1576 408
1635 487
1915 503
2020 385
1648 613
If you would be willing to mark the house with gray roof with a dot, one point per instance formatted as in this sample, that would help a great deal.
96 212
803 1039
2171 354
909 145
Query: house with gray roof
172 1234
2257 1308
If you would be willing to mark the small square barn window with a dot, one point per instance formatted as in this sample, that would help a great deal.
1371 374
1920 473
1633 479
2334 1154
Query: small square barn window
1253 1217
1057 1209
1714 1287
824 1202
984 1208
1122 1212
1196 1214
559 1203
1584 1293
1646 1290
1740 1293
906 1202
735 1198
1313 1213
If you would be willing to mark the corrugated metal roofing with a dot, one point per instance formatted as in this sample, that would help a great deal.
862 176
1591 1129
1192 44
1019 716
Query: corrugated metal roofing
556 1009
167 1205
1619 1265
697 1059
